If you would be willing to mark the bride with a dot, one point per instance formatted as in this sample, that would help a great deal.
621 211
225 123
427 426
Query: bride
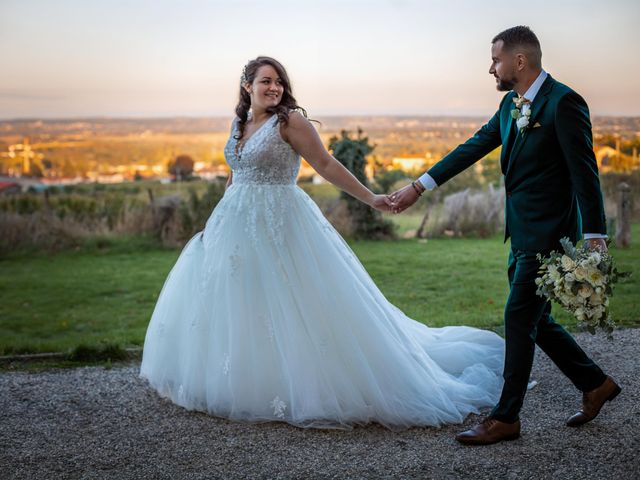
268 315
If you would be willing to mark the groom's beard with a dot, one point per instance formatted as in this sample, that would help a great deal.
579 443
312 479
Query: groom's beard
506 84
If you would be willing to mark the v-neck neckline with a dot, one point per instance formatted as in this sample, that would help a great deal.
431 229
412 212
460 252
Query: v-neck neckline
244 144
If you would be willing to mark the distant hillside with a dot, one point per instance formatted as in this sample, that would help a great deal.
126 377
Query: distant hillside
627 127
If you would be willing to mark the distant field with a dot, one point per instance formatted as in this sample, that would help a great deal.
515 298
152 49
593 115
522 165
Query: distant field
105 294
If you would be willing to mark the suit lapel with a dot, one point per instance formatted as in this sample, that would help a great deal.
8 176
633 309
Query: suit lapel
536 107
507 133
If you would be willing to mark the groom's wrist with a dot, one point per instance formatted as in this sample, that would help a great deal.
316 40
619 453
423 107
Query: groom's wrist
419 189
427 181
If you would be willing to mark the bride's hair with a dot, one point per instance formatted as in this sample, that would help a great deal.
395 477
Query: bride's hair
286 105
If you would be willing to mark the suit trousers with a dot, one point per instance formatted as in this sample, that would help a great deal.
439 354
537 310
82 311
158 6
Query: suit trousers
528 322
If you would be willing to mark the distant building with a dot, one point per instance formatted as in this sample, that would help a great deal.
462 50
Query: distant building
23 184
7 188
208 172
106 178
409 164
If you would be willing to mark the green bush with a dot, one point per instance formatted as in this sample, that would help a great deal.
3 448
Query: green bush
386 179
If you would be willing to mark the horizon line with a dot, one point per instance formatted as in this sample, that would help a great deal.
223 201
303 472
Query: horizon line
221 116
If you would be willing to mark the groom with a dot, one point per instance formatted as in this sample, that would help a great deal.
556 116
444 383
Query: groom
552 191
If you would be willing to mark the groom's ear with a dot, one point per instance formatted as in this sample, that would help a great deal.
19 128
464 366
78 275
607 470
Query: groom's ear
521 61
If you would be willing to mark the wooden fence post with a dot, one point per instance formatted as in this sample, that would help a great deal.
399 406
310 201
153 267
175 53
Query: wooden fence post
623 217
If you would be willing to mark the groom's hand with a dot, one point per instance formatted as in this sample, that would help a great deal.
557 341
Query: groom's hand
597 244
403 198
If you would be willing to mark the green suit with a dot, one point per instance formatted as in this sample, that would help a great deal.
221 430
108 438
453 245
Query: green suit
552 191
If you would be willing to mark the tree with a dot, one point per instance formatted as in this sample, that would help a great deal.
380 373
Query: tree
366 222
181 167
386 179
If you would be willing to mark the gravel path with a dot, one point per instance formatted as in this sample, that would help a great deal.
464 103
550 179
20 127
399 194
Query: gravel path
97 423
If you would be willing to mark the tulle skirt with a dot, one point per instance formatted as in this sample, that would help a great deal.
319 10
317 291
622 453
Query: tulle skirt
269 316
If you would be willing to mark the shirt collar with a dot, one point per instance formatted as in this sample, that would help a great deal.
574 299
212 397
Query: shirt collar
535 86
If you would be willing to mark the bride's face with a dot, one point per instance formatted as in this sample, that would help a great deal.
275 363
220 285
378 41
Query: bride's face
266 89
503 67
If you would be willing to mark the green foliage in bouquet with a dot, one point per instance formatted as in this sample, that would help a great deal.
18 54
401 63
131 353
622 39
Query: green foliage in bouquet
581 281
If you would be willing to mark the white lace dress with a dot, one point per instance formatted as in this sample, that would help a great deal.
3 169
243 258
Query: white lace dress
269 316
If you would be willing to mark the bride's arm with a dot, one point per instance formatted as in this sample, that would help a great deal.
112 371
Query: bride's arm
304 139
234 123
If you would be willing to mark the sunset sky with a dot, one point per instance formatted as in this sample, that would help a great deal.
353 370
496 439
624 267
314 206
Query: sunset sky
145 58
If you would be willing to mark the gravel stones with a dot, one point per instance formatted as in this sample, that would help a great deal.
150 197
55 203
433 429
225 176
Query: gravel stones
99 423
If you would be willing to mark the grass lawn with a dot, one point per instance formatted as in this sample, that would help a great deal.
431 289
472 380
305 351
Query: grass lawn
106 296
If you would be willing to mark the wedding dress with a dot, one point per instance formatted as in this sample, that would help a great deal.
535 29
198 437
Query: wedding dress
269 316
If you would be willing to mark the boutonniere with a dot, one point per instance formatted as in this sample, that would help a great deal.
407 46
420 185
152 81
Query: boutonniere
521 113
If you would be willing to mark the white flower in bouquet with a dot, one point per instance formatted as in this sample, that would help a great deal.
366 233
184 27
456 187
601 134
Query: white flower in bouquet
554 274
596 299
581 280
596 278
580 273
596 312
585 291
567 263
594 258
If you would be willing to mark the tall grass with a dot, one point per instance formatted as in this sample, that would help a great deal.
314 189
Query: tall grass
70 216
468 213
60 221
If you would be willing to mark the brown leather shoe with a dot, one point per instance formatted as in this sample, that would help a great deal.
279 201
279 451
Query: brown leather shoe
490 431
593 401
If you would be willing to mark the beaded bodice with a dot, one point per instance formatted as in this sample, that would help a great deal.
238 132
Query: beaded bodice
264 158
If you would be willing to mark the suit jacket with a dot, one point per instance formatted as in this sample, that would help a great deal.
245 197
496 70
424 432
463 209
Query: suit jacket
550 172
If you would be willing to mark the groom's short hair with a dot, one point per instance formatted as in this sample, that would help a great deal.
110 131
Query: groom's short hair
523 39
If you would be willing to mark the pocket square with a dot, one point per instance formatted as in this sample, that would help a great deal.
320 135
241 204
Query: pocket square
537 125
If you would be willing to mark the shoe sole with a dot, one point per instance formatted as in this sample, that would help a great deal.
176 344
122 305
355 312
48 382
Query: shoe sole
611 397
477 443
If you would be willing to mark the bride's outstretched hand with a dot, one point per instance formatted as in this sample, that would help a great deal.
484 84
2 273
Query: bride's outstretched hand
382 203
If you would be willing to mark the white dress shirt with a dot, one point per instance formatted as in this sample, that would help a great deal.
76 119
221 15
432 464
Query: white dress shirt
429 183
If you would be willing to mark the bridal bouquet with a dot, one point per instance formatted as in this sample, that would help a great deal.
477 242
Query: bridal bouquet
581 280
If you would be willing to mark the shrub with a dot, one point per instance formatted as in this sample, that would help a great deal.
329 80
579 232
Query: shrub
386 180
468 213
366 222
67 220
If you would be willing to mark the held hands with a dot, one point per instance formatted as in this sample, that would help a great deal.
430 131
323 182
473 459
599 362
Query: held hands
381 202
398 201
405 197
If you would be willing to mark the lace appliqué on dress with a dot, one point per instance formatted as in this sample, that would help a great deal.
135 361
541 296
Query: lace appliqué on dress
278 407
226 364
235 260
266 158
